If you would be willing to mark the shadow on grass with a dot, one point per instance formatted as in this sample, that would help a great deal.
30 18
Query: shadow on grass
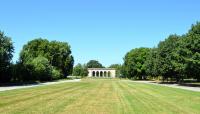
185 83
188 83
28 83
19 83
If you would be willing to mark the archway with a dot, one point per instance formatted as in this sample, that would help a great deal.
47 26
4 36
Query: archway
105 74
93 73
97 73
109 73
101 74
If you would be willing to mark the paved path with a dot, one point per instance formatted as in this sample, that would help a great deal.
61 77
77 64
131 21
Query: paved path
171 85
35 85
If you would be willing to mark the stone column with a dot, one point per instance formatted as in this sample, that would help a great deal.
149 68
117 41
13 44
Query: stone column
90 73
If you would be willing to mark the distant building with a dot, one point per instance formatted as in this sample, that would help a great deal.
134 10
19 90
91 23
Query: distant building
102 72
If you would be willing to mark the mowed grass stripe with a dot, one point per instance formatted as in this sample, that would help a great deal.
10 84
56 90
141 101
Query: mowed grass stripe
132 103
41 100
100 96
56 103
166 99
151 102
179 97
99 99
31 94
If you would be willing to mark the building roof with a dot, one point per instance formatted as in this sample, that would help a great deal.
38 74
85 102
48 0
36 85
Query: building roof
101 68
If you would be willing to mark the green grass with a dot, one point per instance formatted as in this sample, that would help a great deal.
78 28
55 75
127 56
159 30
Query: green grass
100 96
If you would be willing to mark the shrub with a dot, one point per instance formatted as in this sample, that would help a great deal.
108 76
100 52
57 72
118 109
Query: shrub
42 70
56 74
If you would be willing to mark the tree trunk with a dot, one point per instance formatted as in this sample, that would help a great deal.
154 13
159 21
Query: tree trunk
177 79
140 77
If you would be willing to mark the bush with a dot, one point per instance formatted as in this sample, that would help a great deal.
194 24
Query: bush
42 70
80 70
56 74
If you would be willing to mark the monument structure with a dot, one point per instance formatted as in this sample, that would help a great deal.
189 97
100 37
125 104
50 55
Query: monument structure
102 72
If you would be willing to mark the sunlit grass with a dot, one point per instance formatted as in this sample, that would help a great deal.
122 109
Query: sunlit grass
100 96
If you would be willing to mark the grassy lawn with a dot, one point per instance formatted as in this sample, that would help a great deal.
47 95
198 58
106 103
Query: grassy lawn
100 96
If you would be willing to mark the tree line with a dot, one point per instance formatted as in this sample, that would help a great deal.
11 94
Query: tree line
39 60
176 58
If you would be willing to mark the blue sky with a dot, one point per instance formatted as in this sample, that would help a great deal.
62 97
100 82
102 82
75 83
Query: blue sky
104 30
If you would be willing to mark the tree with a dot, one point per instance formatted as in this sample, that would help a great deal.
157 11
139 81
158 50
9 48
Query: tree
57 53
85 70
94 64
166 65
41 69
21 73
189 52
6 50
134 63
56 74
60 56
77 70
118 68
80 70
151 63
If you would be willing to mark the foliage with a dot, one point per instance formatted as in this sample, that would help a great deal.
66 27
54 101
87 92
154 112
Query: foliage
58 55
177 57
166 66
41 70
189 52
6 50
80 70
56 74
94 64
152 63
134 63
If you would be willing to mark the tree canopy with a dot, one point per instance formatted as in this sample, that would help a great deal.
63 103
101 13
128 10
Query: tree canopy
189 52
56 54
165 58
94 64
177 57
6 50
134 63
80 70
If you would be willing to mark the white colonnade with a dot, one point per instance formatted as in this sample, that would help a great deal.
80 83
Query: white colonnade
101 72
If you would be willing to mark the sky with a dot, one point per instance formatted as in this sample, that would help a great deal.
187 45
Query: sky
103 30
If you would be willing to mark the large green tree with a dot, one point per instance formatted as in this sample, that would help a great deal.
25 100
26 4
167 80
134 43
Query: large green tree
134 63
166 65
60 56
188 52
94 64
57 53
151 63
6 50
